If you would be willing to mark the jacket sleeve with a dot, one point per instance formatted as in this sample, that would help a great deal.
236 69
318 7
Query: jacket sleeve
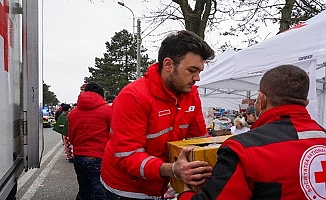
228 180
71 133
129 128
59 122
65 128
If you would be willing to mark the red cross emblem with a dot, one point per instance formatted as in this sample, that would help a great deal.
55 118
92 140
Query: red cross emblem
5 32
313 172
321 176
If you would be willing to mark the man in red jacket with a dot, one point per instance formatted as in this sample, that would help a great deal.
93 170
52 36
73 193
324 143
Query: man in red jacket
162 106
88 131
283 156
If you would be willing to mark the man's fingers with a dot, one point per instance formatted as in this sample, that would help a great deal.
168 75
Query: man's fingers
197 175
193 173
184 152
198 179
197 163
199 170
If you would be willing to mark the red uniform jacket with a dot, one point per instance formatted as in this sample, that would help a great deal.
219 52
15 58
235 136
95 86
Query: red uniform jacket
89 125
282 157
146 115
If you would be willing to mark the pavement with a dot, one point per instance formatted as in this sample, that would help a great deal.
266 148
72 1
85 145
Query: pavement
55 179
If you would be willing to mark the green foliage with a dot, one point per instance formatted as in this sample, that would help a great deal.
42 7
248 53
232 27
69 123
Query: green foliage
49 98
117 68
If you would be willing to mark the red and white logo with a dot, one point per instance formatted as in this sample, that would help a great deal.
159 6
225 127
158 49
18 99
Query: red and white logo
164 112
5 32
191 109
313 172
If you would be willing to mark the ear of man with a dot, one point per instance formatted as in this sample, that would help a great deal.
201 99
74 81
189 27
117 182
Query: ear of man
168 64
263 102
307 102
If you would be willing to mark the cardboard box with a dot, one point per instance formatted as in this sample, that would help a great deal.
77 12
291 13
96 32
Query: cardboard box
205 150
221 132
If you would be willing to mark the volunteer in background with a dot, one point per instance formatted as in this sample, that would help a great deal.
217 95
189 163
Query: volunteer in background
238 127
162 106
250 116
282 156
88 130
61 127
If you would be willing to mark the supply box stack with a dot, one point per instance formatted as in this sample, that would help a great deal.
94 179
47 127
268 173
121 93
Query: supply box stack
205 150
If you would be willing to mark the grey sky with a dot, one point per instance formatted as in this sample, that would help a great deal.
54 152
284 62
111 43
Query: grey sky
75 32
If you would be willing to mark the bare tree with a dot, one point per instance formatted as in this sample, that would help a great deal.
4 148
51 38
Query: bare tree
285 12
194 18
244 16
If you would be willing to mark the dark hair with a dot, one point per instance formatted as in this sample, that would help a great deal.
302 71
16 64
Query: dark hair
66 107
94 87
177 45
285 84
110 98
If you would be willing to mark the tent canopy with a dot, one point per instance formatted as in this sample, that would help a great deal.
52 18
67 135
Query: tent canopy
237 75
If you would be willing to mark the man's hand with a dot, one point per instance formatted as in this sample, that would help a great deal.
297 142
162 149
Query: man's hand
193 173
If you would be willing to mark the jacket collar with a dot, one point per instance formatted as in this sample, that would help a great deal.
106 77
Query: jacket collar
280 113
157 86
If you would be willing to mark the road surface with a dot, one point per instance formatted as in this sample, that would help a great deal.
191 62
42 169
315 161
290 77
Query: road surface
55 179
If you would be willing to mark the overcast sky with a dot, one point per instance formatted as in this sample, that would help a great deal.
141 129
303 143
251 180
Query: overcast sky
75 32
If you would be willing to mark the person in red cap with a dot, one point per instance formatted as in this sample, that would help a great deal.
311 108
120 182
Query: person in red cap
58 112
82 88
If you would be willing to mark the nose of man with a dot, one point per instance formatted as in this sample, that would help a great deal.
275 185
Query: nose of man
196 77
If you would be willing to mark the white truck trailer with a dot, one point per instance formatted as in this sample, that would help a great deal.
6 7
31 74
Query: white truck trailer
20 90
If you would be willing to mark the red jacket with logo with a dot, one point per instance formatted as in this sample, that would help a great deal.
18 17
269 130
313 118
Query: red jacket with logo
89 125
146 115
282 157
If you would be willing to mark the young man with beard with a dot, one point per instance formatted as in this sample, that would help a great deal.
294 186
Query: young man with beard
162 106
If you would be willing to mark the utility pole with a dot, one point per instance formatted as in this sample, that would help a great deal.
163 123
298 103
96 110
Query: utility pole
133 16
138 48
138 35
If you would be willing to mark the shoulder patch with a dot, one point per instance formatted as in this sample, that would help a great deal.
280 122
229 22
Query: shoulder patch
313 172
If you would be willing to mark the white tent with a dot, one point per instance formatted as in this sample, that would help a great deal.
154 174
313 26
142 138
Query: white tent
210 70
238 75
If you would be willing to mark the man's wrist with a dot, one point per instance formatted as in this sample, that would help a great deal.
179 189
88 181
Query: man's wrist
166 170
173 170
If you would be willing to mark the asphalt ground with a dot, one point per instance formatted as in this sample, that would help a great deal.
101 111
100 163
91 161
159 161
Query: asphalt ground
55 179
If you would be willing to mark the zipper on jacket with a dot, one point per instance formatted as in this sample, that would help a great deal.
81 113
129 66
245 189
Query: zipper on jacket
176 103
